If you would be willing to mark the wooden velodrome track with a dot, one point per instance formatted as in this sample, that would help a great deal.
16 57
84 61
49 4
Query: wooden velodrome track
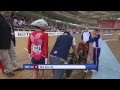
22 56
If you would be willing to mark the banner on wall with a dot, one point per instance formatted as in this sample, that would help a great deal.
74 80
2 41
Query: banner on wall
27 33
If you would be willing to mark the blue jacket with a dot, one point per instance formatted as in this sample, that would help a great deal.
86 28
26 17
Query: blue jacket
97 40
62 46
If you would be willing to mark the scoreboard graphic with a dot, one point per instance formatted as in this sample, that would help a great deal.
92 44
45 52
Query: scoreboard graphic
50 67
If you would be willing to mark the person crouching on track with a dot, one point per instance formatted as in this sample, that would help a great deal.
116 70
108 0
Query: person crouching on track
39 40
60 51
97 40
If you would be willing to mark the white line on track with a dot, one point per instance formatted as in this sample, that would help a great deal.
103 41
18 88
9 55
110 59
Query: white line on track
26 49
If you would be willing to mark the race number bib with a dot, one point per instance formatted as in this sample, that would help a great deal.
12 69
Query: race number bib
37 48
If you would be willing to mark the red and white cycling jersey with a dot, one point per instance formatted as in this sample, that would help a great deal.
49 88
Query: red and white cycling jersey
39 41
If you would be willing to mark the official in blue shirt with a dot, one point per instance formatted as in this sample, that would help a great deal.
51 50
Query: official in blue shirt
97 40
60 51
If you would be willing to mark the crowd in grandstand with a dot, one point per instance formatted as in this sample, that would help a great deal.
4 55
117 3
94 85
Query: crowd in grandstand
20 22
55 28
24 22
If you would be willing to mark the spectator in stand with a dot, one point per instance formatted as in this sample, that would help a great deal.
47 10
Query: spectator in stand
15 23
20 22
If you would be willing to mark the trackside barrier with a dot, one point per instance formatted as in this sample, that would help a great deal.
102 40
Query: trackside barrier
27 33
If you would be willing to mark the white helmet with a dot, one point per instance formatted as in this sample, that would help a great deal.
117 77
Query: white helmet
40 23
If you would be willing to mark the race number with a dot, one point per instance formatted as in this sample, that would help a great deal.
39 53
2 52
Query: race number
37 48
